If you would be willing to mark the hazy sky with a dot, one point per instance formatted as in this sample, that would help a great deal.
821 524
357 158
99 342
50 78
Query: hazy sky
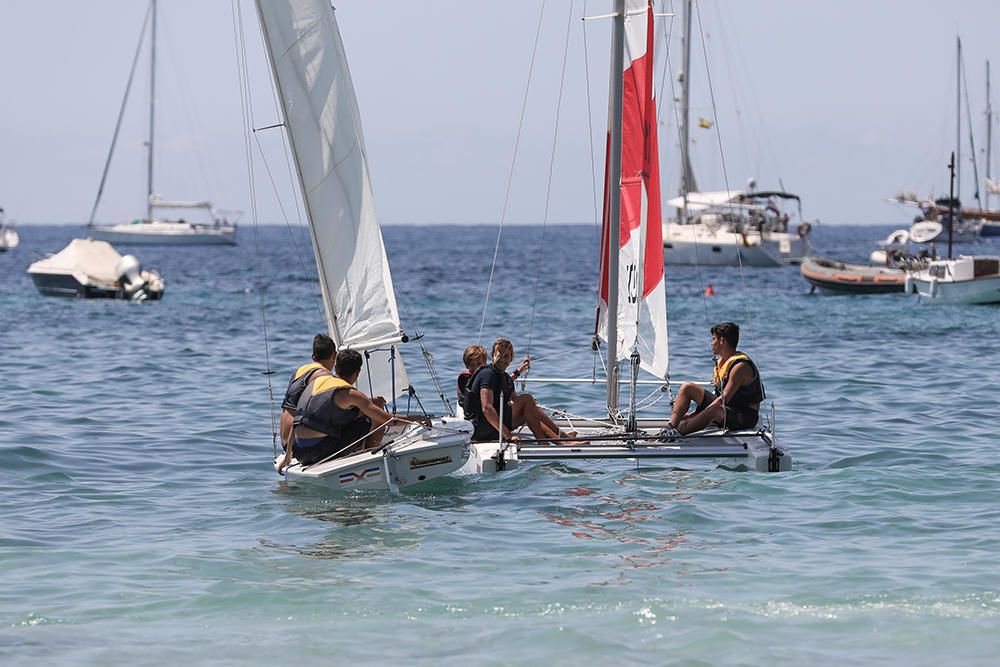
845 102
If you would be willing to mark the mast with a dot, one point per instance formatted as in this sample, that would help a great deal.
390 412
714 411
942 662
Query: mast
614 177
958 128
989 136
685 113
951 203
152 114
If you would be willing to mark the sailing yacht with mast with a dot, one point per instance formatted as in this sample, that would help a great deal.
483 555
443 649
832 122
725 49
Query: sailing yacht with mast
944 220
632 314
216 229
731 227
323 125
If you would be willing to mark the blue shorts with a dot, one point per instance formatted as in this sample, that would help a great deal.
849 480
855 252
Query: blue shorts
311 450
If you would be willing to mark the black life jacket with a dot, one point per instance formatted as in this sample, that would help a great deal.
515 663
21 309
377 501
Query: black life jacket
474 405
297 384
750 394
465 379
317 409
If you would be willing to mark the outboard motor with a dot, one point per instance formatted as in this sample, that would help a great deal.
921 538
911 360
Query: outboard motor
129 273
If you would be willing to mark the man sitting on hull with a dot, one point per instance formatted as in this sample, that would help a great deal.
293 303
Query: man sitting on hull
735 404
324 354
335 419
484 401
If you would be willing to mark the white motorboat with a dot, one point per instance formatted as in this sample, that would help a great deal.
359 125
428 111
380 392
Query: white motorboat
323 125
90 269
968 279
214 229
9 238
734 229
731 227
631 329
936 231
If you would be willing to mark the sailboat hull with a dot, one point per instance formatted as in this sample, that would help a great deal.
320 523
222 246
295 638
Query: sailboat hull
698 244
753 450
164 234
414 456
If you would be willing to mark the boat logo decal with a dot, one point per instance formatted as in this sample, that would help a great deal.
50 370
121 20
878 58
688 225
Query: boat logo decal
423 463
348 477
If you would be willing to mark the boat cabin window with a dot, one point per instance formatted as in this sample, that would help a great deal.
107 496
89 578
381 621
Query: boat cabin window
716 248
985 267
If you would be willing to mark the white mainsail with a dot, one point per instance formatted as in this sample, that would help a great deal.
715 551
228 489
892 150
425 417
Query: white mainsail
324 127
641 320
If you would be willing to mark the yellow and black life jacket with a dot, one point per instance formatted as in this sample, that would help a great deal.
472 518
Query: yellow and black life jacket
317 409
749 394
297 384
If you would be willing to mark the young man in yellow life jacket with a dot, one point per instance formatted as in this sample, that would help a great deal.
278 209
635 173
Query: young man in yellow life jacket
735 404
324 355
334 418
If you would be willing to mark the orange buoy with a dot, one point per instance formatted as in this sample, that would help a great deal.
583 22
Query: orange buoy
709 291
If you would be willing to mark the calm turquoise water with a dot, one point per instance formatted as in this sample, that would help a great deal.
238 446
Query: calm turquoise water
143 525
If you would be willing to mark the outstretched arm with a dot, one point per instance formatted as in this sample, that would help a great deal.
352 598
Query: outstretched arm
377 414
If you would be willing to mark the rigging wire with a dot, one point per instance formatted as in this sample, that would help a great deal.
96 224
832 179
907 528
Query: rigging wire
725 176
121 114
548 185
684 166
428 361
510 176
246 106
972 138
590 132
317 299
294 183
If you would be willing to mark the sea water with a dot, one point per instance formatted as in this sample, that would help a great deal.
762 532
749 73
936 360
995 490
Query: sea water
141 522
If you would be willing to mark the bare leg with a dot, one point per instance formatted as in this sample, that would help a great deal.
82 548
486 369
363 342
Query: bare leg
525 410
715 412
689 392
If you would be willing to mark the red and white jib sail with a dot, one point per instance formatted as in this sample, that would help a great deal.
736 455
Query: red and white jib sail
642 306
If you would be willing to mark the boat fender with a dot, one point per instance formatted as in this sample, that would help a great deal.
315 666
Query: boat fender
908 285
803 230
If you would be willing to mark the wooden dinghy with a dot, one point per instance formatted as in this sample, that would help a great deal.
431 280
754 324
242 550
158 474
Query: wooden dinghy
832 276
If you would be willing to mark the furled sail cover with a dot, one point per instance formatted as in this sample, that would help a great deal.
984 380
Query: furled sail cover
642 304
324 124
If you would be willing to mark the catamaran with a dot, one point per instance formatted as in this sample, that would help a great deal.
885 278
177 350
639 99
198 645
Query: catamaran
214 226
323 124
631 326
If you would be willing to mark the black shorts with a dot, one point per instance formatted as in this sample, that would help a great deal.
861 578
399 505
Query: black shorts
321 448
737 419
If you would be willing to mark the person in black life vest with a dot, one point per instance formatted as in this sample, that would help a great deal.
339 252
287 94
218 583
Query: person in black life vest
483 401
324 355
735 403
474 358
332 415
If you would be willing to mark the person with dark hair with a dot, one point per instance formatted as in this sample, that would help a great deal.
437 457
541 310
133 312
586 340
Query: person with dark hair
483 401
324 354
738 390
334 418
